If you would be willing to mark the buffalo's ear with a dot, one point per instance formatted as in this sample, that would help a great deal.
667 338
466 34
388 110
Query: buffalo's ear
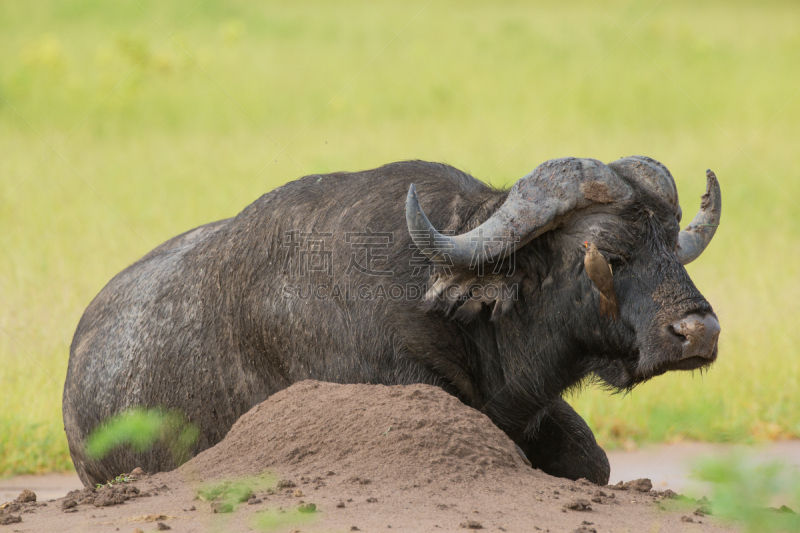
463 294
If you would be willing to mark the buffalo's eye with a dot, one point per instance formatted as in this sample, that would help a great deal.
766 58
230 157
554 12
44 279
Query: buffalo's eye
616 259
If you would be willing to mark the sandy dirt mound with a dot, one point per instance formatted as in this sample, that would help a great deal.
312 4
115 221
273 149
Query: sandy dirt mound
405 434
360 458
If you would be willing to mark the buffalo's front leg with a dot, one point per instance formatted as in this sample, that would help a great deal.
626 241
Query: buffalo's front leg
559 442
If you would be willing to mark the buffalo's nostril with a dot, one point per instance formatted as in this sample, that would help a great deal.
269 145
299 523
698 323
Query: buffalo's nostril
698 334
674 330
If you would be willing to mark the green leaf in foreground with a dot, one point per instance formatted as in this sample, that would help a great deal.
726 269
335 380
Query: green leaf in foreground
141 429
744 490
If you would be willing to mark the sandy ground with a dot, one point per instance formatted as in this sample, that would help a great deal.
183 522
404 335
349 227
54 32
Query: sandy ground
371 458
668 466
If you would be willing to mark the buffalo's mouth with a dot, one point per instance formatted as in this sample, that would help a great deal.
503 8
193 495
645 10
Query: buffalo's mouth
628 372
692 363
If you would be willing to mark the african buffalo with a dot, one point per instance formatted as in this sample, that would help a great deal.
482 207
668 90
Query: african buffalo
353 278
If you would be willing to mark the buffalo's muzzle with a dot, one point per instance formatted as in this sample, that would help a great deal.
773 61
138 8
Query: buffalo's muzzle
698 335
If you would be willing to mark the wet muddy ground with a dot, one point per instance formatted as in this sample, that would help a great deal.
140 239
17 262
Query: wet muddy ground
669 466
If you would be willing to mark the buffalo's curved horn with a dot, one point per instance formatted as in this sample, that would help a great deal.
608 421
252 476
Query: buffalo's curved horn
696 236
535 204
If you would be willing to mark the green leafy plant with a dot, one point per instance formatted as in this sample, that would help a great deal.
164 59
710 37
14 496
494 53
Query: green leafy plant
141 429
228 495
744 489
122 478
273 519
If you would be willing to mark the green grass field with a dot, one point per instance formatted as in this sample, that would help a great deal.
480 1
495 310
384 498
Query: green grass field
155 133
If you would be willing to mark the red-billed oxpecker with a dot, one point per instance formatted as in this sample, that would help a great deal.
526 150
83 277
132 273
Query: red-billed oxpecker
599 271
